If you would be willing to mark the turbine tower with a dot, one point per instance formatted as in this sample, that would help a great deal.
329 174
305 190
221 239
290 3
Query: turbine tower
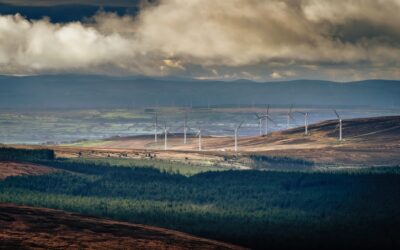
306 115
260 125
236 135
264 118
155 126
340 125
165 136
268 118
199 135
185 128
289 116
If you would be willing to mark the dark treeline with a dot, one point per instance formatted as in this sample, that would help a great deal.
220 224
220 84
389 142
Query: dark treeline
13 154
266 161
258 209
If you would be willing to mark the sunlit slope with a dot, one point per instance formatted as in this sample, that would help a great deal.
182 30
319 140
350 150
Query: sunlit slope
365 141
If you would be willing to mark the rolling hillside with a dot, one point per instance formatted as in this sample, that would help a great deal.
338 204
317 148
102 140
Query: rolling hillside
25 227
367 141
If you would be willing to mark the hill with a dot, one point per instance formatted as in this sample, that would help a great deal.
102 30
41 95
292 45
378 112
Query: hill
40 228
88 91
14 169
367 141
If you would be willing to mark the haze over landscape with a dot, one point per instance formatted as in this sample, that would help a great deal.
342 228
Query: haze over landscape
199 124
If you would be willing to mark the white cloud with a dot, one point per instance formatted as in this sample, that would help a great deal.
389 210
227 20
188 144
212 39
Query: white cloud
40 46
283 74
167 37
276 75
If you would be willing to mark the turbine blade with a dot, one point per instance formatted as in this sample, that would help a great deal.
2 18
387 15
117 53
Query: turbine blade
290 110
270 119
336 113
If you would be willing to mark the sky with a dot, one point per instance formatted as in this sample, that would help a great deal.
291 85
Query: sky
259 40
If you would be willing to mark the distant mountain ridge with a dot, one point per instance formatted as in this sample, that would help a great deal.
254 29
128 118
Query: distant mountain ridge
93 91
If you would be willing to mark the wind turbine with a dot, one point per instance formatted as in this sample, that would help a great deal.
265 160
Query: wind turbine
265 118
200 131
165 136
340 124
306 115
236 135
289 117
185 128
260 120
268 118
155 126
199 135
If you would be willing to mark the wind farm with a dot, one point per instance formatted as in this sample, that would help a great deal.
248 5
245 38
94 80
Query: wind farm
218 132
172 124
128 155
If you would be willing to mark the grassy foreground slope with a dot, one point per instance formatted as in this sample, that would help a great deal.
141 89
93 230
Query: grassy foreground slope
38 228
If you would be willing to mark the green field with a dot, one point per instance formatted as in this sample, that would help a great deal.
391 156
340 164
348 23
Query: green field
161 165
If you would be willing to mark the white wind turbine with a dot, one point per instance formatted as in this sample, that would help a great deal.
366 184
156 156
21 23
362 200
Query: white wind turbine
155 127
185 129
266 118
199 135
306 117
260 119
289 117
340 124
166 131
236 131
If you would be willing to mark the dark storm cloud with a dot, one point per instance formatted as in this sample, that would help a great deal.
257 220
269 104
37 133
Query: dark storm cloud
65 11
122 3
274 39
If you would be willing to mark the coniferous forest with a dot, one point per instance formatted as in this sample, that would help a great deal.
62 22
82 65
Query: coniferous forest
256 209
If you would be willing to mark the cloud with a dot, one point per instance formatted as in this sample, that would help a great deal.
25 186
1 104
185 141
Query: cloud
279 75
276 75
277 38
41 46
173 64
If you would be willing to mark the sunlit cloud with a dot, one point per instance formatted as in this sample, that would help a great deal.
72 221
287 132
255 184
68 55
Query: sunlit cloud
278 38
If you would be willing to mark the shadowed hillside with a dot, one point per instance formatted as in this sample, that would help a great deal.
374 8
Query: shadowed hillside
39 228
